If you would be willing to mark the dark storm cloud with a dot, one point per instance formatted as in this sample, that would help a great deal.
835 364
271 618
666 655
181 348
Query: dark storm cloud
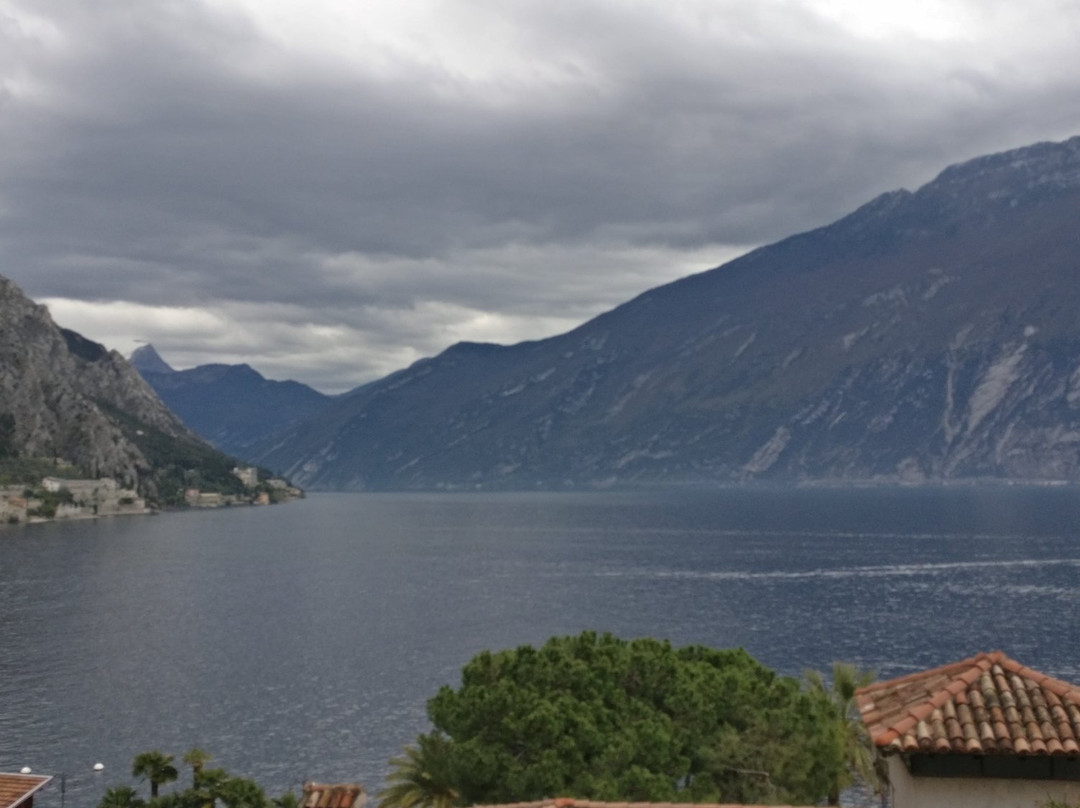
170 153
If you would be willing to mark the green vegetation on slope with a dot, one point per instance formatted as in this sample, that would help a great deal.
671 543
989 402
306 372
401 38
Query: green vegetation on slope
176 463
31 470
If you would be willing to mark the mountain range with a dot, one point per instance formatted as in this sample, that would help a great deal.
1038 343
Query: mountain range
927 336
231 406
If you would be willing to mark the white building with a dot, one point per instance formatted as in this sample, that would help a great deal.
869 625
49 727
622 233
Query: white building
249 475
81 489
986 732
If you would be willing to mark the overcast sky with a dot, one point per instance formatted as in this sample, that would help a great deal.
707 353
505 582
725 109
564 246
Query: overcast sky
329 190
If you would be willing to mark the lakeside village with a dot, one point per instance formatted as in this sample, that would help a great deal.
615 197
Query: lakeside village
58 497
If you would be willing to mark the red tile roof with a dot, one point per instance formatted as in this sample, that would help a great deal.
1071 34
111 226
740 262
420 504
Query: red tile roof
570 802
988 704
340 795
16 788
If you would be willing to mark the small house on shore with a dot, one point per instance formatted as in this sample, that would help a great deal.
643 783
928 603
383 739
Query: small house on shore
985 732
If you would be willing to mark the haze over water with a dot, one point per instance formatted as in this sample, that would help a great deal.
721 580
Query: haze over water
302 641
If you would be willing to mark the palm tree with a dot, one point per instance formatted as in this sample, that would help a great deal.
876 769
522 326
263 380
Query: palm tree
209 783
863 761
420 777
156 767
239 792
178 799
196 758
121 797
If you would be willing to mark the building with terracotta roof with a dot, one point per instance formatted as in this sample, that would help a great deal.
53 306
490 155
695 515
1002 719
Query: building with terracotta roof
17 790
985 732
336 795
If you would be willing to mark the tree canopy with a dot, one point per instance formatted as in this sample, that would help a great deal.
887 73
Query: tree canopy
596 717
155 766
417 781
210 787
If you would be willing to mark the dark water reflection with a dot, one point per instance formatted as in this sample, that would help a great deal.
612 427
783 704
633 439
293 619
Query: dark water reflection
302 641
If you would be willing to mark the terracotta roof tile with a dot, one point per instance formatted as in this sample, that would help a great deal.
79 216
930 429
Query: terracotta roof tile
16 788
987 704
337 795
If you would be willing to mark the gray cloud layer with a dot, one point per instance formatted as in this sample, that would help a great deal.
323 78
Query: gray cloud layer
178 171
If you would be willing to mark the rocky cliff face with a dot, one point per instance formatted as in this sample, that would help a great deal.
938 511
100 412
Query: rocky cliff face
70 397
927 336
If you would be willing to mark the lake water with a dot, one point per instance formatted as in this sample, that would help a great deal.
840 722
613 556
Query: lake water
302 641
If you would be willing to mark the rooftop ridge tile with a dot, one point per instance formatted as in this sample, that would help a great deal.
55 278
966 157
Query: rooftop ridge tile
920 675
985 704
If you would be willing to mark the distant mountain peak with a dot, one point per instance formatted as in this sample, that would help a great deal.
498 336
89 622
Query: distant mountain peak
231 406
146 359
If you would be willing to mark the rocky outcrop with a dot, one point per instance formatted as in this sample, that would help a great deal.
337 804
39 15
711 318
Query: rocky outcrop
69 397
930 335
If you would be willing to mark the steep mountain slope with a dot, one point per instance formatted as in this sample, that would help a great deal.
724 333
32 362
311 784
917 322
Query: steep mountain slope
232 406
65 396
928 335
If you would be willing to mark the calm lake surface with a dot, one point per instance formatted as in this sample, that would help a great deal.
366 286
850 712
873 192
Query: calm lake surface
302 641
